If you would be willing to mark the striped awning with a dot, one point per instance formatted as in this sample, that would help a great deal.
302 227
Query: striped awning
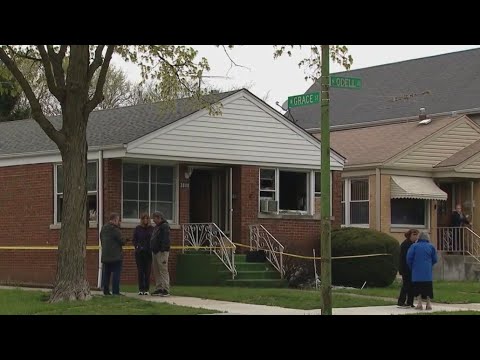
411 187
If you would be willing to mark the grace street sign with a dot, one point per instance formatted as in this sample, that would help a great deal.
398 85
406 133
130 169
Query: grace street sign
303 100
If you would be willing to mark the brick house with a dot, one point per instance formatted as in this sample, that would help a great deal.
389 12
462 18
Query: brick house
247 166
412 143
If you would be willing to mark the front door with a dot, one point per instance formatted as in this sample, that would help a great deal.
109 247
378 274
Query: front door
444 208
211 197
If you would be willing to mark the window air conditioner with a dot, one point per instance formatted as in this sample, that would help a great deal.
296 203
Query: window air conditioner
268 206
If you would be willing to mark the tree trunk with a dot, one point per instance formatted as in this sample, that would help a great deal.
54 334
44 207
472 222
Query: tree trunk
71 282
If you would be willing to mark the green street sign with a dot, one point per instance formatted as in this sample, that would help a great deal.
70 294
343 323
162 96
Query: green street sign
345 82
303 100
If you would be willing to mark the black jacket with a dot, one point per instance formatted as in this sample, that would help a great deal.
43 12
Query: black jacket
141 238
112 242
160 240
458 220
403 268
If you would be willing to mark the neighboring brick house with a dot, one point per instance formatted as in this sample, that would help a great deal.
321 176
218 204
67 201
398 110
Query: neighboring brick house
410 174
247 166
401 172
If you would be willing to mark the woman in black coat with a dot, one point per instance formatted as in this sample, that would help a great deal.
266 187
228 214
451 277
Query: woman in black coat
405 299
143 253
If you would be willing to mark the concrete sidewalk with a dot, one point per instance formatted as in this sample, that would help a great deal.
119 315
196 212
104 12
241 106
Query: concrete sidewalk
235 308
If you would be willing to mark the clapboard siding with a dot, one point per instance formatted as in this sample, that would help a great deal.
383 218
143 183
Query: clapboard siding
244 132
440 147
472 167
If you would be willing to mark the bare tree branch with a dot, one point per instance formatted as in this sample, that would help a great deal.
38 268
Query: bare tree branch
98 96
47 65
96 62
232 63
57 65
25 56
37 112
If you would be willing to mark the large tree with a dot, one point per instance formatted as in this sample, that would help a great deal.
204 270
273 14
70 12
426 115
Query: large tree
174 67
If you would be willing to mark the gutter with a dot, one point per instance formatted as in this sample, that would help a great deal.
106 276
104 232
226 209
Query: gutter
453 113
57 152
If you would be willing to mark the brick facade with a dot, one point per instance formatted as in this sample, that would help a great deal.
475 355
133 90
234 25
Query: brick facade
26 192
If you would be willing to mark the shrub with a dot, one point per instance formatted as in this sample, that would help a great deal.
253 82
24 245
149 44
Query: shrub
377 271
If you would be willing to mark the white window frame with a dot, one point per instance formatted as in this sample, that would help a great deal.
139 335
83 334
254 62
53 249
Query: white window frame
310 188
417 226
175 194
347 197
56 193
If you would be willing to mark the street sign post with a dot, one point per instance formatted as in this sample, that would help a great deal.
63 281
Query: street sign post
345 82
303 100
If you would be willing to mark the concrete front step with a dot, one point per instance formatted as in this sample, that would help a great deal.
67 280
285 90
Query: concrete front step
264 283
241 275
244 266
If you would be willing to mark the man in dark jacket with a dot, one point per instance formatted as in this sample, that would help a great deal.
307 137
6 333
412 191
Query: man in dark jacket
457 222
160 245
406 292
112 256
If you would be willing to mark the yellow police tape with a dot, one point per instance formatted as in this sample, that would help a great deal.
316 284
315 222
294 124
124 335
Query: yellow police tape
177 247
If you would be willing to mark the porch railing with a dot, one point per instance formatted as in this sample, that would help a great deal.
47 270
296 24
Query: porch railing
261 239
459 240
209 236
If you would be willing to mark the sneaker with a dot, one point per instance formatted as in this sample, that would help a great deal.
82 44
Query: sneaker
141 293
107 293
164 293
157 292
146 293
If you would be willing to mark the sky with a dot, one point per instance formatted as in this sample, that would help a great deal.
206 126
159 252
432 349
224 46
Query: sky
276 80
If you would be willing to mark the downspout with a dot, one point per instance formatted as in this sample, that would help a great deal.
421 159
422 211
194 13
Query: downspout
378 205
100 216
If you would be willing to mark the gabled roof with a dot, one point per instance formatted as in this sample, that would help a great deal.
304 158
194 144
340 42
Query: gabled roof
461 156
440 84
377 144
105 127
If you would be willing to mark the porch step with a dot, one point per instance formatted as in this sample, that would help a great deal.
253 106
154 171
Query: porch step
265 283
244 266
253 275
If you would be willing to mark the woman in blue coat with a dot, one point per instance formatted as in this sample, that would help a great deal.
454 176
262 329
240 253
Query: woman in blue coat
421 257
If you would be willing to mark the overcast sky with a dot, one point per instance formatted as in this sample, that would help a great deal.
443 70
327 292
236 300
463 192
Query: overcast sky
277 79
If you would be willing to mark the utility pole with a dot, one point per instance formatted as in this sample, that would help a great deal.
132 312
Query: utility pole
325 237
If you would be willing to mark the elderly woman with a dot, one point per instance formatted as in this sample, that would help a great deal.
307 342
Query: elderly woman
421 257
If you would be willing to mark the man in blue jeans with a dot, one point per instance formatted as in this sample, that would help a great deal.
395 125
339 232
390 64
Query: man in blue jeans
112 256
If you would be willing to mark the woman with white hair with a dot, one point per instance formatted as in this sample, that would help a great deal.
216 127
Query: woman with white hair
421 257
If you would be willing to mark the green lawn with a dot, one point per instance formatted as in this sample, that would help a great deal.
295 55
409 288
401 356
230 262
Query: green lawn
22 302
448 292
289 298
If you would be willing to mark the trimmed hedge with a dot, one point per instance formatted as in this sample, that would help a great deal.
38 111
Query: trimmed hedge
377 271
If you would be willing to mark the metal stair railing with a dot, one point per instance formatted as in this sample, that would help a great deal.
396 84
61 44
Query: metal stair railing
209 235
261 239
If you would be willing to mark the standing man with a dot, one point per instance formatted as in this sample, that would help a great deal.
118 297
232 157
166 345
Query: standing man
160 245
405 299
458 221
112 256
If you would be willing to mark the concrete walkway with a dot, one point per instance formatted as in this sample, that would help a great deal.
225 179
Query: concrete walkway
234 308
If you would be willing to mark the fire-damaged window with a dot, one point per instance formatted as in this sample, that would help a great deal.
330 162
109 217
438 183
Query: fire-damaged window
146 189
91 188
284 191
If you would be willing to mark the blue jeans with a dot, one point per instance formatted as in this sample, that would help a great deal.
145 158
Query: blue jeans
110 268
